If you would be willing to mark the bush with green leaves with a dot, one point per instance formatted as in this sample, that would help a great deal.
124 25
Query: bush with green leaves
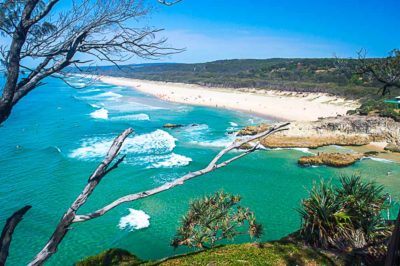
215 218
346 217
378 107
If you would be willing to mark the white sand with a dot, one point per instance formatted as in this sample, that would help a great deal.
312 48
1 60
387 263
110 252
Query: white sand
281 105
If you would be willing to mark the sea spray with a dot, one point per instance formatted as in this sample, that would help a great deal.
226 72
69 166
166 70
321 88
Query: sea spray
153 143
171 160
134 117
100 114
135 220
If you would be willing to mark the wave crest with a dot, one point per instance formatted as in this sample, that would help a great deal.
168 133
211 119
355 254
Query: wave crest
157 142
100 114
136 219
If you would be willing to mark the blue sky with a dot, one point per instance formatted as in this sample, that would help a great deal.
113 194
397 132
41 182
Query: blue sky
217 29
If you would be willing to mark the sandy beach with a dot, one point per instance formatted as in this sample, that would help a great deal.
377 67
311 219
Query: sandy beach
289 106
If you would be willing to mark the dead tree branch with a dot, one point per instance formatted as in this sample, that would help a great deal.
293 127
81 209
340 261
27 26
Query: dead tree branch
8 230
213 165
107 165
64 225
98 30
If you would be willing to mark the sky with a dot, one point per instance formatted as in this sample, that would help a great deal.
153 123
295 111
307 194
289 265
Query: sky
211 30
219 29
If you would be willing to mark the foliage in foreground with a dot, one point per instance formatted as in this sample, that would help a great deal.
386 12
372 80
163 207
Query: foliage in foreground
346 218
111 257
378 107
274 253
215 218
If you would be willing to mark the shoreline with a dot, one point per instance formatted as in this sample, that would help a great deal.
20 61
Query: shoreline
279 105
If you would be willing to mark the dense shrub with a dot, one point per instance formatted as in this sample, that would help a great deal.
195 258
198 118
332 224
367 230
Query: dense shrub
214 218
378 107
111 257
347 217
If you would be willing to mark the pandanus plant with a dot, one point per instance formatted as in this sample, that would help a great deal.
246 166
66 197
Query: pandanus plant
347 217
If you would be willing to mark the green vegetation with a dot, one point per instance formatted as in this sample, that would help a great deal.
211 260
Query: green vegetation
378 107
214 218
273 253
298 75
385 71
347 218
111 257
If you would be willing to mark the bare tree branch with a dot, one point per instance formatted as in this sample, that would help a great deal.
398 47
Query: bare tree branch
105 167
98 29
213 165
8 230
168 3
94 179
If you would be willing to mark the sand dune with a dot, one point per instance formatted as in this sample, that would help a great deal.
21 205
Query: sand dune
281 105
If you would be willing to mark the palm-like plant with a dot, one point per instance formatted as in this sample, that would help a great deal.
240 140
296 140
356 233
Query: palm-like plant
215 218
347 217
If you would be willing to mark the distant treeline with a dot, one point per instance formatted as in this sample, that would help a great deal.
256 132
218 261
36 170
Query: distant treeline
301 75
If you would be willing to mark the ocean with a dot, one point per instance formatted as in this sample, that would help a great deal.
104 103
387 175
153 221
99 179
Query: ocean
57 135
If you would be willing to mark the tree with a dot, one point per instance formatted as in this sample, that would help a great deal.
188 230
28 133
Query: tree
385 71
347 218
215 218
100 30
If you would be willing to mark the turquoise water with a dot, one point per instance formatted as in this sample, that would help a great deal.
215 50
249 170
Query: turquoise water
57 135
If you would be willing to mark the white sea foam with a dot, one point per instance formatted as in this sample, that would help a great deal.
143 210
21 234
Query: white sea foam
135 220
94 105
131 117
155 143
100 114
171 160
109 94
379 159
195 129
304 150
218 143
233 124
89 90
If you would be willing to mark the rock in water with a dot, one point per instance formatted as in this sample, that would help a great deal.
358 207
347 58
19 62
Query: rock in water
253 130
169 125
331 159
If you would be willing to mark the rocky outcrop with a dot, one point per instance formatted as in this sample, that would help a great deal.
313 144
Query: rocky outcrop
314 141
341 130
331 159
253 130
392 147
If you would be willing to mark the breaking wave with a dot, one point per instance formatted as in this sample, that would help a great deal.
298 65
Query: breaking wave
135 220
139 117
170 160
100 114
218 143
156 143
379 159
304 150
